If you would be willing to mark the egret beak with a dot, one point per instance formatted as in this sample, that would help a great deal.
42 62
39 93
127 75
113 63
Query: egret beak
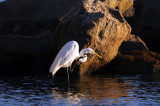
97 55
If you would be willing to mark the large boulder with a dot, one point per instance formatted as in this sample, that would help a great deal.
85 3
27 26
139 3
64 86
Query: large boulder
95 25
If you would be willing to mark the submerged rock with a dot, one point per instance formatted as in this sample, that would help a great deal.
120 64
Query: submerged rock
95 25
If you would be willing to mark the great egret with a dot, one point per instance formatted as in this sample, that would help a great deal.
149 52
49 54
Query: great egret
68 53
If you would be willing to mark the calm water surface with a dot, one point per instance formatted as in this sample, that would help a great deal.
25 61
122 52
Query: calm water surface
86 90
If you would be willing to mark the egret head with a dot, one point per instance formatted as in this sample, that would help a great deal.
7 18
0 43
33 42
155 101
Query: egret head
90 51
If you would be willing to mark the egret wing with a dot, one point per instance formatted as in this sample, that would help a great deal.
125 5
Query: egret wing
65 56
69 53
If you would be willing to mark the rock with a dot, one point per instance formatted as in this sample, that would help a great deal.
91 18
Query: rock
122 5
27 27
145 22
95 25
129 16
111 3
16 63
18 50
40 9
151 24
31 17
35 9
138 18
133 43
136 62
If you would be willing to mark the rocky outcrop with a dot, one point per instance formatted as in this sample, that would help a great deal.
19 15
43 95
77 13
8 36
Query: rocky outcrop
135 62
40 9
27 27
21 54
32 17
35 9
95 25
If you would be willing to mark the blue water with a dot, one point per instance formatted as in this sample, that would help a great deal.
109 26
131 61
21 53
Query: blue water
86 90
2 0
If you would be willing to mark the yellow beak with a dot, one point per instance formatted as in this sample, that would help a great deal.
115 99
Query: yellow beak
98 55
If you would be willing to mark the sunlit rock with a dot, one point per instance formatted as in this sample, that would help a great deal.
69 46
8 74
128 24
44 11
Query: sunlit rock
95 25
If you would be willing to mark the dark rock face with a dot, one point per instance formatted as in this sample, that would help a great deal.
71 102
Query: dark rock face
95 25
31 17
133 43
145 22
129 16
137 62
26 32
35 9
27 29
16 63
21 54
151 24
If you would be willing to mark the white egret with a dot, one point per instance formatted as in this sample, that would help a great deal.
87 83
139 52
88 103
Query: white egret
68 53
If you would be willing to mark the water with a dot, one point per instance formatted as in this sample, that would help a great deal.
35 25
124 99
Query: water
2 0
86 90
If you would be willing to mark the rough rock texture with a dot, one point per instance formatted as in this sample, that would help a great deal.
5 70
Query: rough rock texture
132 43
95 25
136 62
24 54
122 5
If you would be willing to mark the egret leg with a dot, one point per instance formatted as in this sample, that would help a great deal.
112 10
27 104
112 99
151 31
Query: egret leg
73 67
68 75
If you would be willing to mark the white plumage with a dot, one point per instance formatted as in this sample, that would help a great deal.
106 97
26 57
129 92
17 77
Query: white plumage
68 53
